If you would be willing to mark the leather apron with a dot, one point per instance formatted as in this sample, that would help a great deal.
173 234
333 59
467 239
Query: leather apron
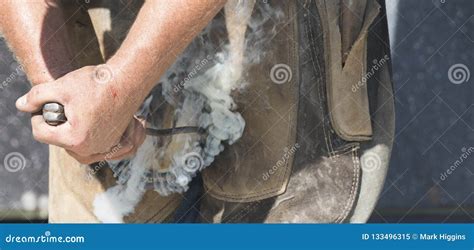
316 144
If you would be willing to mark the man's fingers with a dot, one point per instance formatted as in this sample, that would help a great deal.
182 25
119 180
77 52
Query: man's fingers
138 134
46 133
40 94
135 136
118 152
127 147
123 155
86 159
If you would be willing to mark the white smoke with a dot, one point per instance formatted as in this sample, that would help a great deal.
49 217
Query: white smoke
203 99
120 200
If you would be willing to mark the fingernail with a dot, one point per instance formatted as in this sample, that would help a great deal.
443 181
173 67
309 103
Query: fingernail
21 101
126 146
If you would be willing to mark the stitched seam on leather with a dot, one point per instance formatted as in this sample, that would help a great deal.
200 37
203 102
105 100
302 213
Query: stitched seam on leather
293 58
355 181
237 215
344 149
281 179
324 85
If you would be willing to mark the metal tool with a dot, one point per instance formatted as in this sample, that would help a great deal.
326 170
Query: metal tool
174 131
53 114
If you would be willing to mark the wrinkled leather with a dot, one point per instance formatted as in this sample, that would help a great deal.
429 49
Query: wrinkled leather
325 180
269 110
349 106
350 23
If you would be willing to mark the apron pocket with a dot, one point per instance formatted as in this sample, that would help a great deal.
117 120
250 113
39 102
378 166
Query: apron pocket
347 71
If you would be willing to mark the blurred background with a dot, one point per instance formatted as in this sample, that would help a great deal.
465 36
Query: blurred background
432 168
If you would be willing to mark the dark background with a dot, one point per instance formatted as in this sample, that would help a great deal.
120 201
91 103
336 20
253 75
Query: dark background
434 117
435 121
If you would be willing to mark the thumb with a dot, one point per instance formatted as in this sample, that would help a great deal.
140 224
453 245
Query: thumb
39 95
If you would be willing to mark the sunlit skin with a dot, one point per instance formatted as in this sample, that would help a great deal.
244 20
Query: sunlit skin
100 114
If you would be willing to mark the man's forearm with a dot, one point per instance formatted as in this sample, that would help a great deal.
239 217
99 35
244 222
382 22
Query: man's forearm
100 108
36 33
161 32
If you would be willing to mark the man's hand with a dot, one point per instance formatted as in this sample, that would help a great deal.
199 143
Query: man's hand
98 110
100 121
